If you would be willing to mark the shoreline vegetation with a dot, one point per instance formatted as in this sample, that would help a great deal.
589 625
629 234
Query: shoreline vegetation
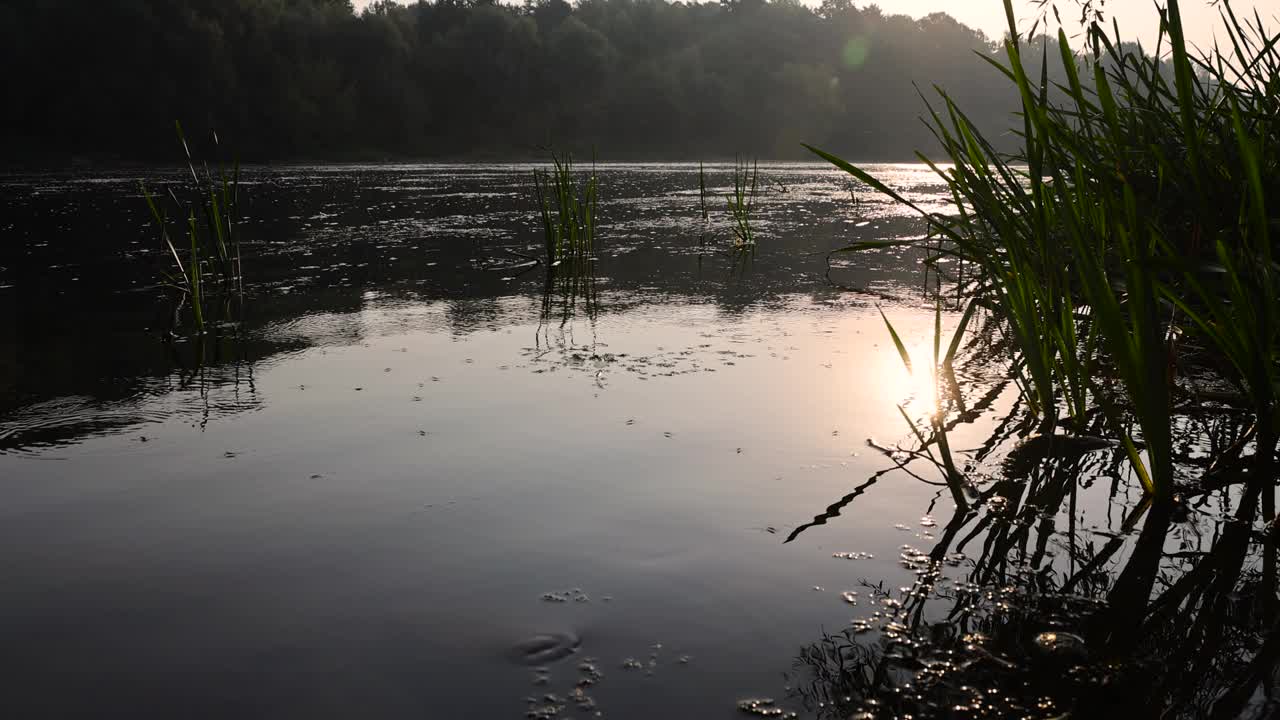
1125 261
1136 223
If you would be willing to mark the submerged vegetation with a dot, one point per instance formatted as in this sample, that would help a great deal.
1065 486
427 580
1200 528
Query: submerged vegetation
205 214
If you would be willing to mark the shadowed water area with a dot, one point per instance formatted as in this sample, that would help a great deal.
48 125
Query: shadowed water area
411 474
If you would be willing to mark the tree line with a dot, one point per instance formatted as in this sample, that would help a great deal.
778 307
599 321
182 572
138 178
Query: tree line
314 79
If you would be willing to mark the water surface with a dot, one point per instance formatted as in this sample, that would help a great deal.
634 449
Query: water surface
409 478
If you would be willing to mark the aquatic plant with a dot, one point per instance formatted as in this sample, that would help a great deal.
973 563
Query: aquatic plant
942 367
207 215
1019 607
1131 232
702 192
567 207
745 180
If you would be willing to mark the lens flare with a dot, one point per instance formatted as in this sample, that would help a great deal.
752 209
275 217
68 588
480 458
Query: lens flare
855 52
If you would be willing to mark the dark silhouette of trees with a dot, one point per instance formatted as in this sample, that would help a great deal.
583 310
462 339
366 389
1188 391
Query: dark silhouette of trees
299 79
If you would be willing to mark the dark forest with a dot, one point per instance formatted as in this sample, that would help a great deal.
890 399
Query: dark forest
635 79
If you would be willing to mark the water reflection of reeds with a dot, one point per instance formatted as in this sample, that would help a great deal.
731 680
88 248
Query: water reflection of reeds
569 295
1021 607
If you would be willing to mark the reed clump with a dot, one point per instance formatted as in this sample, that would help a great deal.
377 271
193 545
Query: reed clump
1129 246
204 214
568 208
741 201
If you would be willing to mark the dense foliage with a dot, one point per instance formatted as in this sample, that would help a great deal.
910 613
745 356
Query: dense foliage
287 79
1139 211
1128 255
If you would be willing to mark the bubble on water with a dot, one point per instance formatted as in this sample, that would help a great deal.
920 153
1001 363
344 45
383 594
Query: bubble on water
551 705
563 596
928 521
1060 646
543 710
896 628
998 504
857 555
913 559
765 707
850 597
580 698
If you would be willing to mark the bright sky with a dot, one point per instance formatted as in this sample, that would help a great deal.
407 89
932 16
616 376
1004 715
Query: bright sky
1137 17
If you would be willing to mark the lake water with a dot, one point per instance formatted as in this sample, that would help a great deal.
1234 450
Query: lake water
416 480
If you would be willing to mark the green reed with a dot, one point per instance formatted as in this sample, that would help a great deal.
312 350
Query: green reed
207 213
745 182
568 208
1137 209
941 369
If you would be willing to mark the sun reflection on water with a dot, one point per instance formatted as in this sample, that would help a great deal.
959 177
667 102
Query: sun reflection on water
914 390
